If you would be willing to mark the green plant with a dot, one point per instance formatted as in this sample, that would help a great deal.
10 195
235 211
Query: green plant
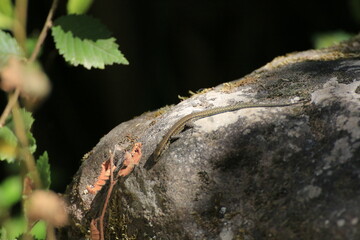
328 39
81 40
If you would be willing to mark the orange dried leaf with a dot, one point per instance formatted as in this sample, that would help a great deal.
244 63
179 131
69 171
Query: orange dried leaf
103 177
94 231
126 171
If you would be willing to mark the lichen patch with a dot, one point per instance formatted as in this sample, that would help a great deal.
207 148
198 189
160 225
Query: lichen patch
332 89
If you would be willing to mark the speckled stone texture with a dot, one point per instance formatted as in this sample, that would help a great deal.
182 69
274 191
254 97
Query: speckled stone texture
262 173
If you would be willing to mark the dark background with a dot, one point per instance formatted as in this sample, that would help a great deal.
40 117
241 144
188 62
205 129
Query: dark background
172 47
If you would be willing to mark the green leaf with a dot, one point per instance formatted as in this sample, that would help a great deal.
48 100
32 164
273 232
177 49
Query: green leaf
8 144
78 6
6 14
32 142
6 22
28 120
83 40
25 116
8 47
39 230
3 235
10 191
43 167
15 226
31 43
6 8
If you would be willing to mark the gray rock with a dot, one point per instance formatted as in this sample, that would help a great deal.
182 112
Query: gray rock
262 173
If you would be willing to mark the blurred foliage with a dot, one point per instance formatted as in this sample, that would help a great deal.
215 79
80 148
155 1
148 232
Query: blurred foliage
11 187
13 227
328 39
81 40
39 230
31 42
9 143
6 14
43 167
8 47
10 193
78 6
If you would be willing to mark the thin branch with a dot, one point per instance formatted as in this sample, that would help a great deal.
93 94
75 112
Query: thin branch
20 34
101 219
112 184
19 31
12 101
19 28
44 31
130 160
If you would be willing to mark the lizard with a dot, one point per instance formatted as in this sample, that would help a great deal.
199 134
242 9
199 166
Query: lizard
182 122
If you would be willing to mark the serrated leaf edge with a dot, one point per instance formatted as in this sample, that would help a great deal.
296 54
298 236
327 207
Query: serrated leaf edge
68 36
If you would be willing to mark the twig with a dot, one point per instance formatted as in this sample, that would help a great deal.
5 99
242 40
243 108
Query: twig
131 159
19 28
43 33
12 101
19 32
25 154
112 184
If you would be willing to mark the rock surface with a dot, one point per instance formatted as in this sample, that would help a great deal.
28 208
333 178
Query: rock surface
262 173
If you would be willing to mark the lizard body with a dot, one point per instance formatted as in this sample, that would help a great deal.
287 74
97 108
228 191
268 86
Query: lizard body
180 124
